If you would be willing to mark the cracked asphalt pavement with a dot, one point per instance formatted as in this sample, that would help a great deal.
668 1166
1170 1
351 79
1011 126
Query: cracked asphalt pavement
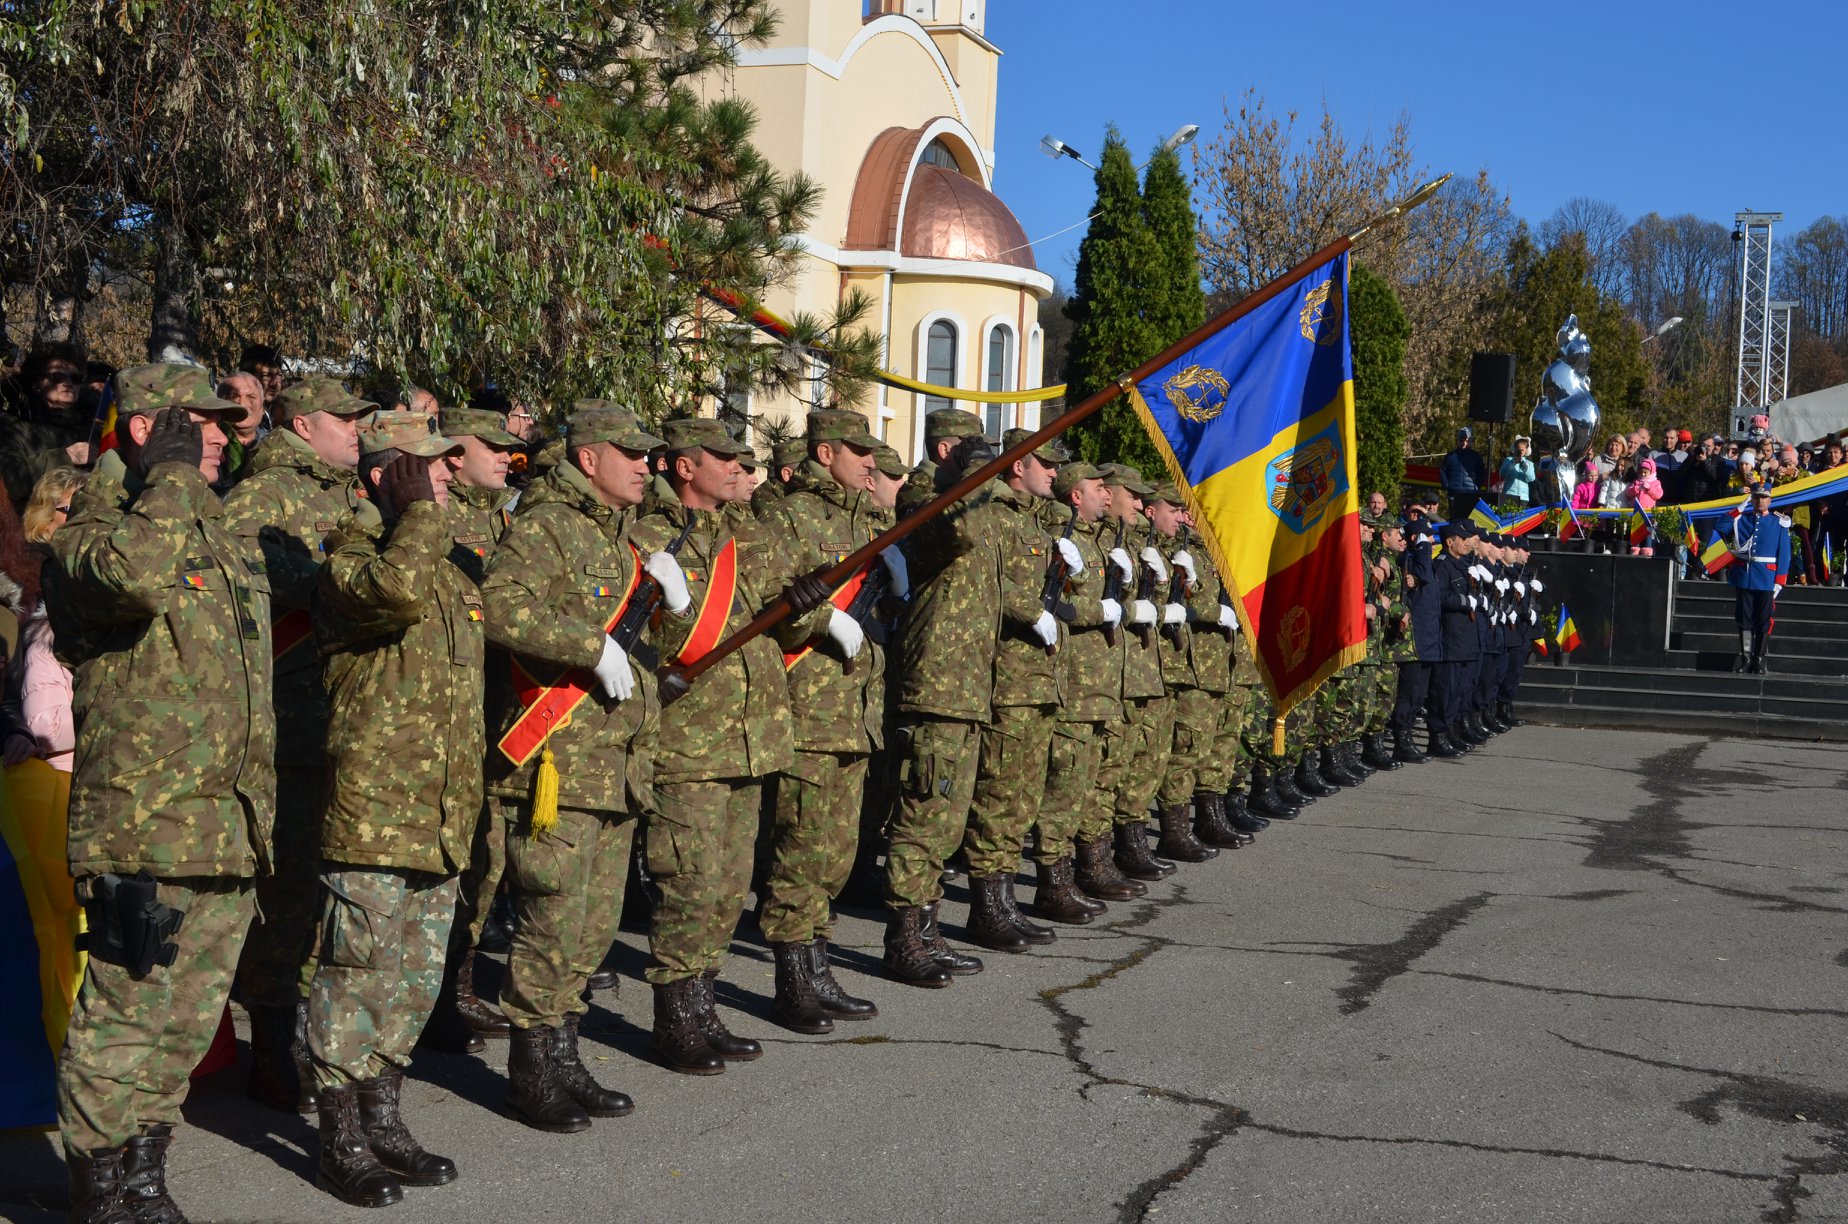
1578 976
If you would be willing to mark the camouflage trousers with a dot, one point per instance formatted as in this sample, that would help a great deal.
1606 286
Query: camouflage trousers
475 887
567 891
1010 787
383 937
1197 716
1256 733
133 1042
1380 682
1339 712
698 840
1115 747
1227 765
1152 741
278 959
814 834
937 761
1071 789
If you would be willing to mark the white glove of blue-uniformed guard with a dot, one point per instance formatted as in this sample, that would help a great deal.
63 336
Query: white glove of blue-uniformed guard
894 561
846 631
1153 560
1046 629
1539 586
665 570
612 669
1074 560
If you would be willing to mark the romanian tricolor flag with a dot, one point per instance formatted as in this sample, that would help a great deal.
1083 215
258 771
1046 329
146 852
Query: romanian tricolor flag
1691 540
1716 556
1521 524
1568 635
39 962
1571 528
1828 560
1485 518
1256 424
1639 529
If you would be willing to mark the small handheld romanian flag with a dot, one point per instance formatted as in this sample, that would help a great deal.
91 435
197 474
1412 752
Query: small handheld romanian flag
1568 635
1828 560
1571 528
1716 556
1485 518
1256 424
1639 529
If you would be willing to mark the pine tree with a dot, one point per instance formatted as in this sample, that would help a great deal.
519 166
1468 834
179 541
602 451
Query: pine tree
1378 330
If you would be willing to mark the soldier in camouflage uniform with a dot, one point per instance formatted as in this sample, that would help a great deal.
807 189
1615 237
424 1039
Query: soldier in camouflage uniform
480 506
837 697
1015 748
785 461
720 741
163 614
1395 640
1091 693
947 643
555 587
1228 769
398 626
300 482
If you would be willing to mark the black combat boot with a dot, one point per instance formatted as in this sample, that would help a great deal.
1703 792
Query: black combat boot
144 1186
1210 824
1266 799
347 1168
1405 748
592 1097
1097 875
461 1021
1380 754
1036 935
1479 727
391 1139
1759 666
679 1031
1437 737
1310 779
961 964
1338 768
1178 842
279 1075
728 1045
1284 780
1505 712
603 979
1132 853
795 1007
1240 816
1466 737
1490 718
497 931
835 1001
97 1187
1349 755
989 925
907 959
536 1092
1057 898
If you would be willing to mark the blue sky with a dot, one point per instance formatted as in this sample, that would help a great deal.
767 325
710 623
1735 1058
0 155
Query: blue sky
1697 107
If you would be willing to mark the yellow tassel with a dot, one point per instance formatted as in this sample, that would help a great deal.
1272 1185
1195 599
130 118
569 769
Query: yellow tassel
1276 738
545 793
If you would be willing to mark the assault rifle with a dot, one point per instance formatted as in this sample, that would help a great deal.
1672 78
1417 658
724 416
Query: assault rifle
865 602
1145 589
1177 594
647 596
1056 573
1113 580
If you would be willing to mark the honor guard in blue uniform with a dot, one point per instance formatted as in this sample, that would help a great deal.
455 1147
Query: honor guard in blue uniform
1761 562
1422 600
1451 678
1527 589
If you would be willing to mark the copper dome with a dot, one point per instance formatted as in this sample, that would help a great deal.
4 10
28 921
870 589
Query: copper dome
947 215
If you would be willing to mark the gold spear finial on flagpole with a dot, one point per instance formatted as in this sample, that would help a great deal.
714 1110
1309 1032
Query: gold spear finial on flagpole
1402 207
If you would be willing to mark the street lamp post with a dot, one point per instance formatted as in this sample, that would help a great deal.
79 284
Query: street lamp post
1667 326
1055 148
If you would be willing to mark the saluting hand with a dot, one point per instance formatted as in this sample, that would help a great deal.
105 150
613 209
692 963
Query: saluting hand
173 438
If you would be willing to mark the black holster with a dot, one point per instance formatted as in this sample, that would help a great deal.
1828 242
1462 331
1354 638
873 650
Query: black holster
128 925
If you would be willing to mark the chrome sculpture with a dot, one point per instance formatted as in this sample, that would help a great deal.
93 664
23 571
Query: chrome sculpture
1565 421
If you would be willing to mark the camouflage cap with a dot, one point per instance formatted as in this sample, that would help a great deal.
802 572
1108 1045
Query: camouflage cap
1122 476
320 395
840 425
1369 519
150 388
1165 491
789 452
1050 451
601 420
890 461
413 433
709 433
952 423
1070 475
490 427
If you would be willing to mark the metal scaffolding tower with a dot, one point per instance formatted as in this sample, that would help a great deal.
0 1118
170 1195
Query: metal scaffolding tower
1753 376
1777 370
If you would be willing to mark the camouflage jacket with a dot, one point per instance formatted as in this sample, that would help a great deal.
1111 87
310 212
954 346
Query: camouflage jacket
1090 668
163 616
1142 667
399 629
1244 664
288 503
553 587
819 523
1394 627
735 722
1026 673
480 519
948 638
1208 647
767 495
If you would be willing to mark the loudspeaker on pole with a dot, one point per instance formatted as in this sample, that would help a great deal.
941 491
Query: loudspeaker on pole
1491 388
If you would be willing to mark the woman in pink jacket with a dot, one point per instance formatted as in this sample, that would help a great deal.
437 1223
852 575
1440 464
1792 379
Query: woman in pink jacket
45 687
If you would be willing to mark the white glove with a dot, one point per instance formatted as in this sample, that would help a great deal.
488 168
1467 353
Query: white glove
1184 562
666 571
1520 588
1120 559
1074 562
612 669
1153 560
846 631
1228 619
1472 603
894 561
1112 610
1173 614
1501 584
1539 586
1142 612
1046 629
1533 617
